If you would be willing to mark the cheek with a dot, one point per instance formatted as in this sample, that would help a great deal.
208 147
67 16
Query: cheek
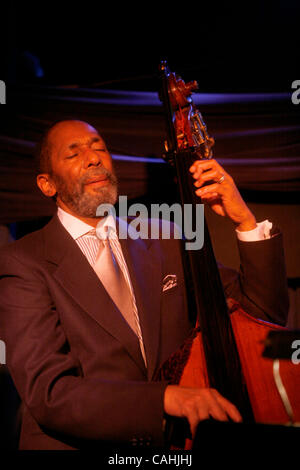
107 163
68 180
72 172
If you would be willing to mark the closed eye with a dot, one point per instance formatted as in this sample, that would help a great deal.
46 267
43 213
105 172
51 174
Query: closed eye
71 156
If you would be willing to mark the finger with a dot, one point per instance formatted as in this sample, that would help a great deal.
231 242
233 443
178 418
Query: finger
211 197
217 188
193 167
228 407
233 412
200 166
211 409
195 411
211 175
210 163
204 164
194 419
218 413
197 171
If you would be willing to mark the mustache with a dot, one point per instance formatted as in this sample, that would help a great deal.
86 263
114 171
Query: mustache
99 172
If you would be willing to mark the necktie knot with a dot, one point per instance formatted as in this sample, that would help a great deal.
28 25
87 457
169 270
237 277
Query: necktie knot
91 233
96 244
102 233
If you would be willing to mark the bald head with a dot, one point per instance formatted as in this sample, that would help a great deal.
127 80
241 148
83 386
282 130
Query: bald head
70 127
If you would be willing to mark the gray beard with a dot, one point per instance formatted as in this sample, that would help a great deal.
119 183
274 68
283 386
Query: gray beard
85 204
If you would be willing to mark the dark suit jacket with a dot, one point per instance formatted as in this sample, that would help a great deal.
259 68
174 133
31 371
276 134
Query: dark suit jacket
74 361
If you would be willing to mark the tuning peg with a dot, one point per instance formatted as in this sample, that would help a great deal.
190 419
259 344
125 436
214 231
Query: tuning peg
190 87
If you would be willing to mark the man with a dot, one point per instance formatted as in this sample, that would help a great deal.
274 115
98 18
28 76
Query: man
82 368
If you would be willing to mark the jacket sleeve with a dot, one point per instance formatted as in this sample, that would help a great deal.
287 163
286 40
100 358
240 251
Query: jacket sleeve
260 286
49 378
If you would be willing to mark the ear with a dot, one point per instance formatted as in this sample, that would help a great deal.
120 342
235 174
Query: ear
46 185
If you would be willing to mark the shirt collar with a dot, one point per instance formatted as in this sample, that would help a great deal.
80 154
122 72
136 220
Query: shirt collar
77 227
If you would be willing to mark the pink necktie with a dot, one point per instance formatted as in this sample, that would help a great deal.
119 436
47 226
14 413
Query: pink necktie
112 277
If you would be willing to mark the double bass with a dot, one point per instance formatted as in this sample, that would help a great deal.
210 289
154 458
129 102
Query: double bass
225 350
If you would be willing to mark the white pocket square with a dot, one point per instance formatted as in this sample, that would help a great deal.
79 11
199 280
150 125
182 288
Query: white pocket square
169 282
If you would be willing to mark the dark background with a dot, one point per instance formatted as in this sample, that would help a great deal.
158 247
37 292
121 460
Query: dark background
244 46
247 46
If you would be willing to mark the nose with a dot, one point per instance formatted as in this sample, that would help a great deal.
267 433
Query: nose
91 158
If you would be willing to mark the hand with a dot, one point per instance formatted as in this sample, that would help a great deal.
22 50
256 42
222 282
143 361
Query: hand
223 197
198 404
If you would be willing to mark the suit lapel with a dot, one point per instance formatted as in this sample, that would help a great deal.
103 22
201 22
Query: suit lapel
77 277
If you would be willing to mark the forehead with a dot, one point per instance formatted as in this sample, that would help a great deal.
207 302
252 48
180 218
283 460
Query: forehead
71 134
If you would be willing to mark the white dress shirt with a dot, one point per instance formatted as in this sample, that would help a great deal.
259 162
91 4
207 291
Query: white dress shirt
260 232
